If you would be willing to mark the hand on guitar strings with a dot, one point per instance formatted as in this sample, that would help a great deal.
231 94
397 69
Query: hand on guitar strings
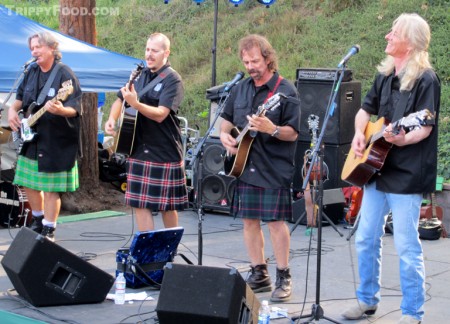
229 142
359 144
130 95
260 124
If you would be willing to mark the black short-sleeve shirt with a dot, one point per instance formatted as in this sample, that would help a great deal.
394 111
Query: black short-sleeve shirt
159 142
57 141
270 162
410 168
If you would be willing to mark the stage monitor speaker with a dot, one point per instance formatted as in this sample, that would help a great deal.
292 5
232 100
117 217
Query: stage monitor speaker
45 274
201 294
335 156
217 188
314 96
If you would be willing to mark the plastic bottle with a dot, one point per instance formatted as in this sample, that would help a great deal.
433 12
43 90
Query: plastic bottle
119 297
264 313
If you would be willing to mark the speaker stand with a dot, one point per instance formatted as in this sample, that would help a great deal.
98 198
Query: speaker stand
303 215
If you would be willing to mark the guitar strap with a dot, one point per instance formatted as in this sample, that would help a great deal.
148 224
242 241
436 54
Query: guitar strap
156 80
271 92
44 92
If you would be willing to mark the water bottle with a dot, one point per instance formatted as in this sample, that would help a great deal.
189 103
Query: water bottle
119 298
264 313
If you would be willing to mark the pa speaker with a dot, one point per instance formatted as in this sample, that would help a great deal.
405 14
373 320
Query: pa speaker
210 295
45 274
217 189
334 161
314 96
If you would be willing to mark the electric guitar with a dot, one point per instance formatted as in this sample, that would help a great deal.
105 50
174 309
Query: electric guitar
26 132
359 170
127 119
234 164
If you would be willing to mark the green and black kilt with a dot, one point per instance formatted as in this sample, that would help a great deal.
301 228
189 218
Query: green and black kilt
27 175
156 186
261 203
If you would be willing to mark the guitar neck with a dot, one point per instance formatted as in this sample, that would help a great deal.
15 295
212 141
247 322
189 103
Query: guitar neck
244 131
33 119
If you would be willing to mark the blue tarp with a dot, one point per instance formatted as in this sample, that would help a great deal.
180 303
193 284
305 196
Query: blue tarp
98 70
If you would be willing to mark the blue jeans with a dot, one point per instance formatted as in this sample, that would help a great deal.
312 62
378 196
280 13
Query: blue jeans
368 240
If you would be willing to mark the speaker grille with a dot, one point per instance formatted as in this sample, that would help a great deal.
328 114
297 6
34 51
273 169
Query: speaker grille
334 158
314 97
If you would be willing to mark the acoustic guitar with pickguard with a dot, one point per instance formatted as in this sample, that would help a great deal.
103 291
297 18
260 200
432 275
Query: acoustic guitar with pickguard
126 122
359 170
234 164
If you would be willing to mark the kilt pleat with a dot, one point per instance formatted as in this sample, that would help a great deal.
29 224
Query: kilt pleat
27 175
156 186
261 203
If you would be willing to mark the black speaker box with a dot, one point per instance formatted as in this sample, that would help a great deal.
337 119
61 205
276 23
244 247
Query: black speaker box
314 96
217 188
45 274
210 295
335 156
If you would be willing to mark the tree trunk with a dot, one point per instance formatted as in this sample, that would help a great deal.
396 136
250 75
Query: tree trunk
75 21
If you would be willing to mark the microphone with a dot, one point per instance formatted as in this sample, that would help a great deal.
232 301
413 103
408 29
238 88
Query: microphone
354 50
235 80
32 60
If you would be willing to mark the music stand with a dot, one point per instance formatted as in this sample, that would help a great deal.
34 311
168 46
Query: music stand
317 154
142 264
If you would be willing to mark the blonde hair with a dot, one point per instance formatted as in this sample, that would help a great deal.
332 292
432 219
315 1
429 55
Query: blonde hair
267 51
416 31
163 38
46 38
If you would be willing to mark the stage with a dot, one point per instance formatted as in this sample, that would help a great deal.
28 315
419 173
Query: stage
97 239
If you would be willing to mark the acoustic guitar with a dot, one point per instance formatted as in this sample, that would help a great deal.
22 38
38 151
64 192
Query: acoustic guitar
127 119
359 170
234 164
26 132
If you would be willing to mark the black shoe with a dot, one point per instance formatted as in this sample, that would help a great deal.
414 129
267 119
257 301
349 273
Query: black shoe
36 224
48 232
283 284
259 280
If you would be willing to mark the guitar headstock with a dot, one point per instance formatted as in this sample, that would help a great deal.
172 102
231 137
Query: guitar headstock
136 73
313 122
65 91
415 120
273 102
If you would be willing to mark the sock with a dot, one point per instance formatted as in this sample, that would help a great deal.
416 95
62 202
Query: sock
37 213
49 224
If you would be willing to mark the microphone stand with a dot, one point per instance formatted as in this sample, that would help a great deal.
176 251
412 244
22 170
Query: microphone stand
318 157
197 167
16 83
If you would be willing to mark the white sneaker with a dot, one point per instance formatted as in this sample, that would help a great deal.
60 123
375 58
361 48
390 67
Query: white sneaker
359 310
